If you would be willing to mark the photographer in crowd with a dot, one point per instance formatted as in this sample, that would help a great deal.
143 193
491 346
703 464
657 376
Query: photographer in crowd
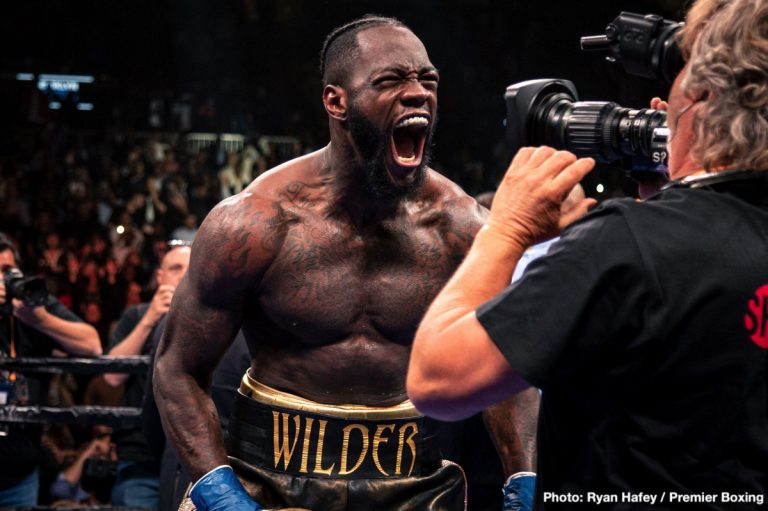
30 330
138 469
646 325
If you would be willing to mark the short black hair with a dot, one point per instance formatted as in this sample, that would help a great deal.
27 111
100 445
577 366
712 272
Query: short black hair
7 244
340 47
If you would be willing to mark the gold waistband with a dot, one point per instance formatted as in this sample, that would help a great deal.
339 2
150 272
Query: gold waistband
267 395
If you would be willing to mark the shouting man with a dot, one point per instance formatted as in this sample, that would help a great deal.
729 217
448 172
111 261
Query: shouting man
327 263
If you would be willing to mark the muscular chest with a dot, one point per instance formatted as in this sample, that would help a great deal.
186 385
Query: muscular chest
334 282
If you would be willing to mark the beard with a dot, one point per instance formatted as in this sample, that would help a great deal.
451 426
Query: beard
373 145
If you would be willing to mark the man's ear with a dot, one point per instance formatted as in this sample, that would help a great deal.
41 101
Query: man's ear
335 100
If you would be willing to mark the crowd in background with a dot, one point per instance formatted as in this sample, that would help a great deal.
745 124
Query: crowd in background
92 213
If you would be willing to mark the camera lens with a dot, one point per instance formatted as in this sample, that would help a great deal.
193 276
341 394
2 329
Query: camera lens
546 112
603 130
32 290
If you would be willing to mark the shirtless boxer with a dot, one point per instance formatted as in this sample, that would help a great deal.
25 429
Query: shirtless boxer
327 263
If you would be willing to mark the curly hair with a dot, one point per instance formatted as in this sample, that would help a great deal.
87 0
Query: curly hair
726 45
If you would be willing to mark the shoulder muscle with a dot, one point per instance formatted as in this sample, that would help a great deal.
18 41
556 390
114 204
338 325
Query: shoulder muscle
235 244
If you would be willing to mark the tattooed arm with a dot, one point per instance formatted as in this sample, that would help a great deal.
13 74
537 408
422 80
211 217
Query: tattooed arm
232 250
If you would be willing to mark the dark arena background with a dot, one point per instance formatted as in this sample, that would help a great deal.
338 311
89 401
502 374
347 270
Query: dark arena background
123 123
249 67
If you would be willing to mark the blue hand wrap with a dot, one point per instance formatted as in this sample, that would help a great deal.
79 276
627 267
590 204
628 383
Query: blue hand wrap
220 490
518 492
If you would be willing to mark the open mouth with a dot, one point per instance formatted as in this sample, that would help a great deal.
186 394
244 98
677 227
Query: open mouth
407 144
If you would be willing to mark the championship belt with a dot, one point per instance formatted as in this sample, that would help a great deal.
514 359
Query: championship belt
289 434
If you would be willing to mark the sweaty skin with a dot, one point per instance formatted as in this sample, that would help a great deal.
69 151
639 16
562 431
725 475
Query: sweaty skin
328 308
327 281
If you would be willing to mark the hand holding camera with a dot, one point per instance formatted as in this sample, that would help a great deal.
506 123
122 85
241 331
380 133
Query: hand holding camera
527 205
22 296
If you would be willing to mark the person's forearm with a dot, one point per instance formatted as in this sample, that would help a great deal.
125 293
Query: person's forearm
74 472
189 418
131 345
75 338
442 382
512 427
456 369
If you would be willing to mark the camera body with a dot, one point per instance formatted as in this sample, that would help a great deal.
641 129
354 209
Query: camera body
644 44
548 111
99 475
30 290
100 468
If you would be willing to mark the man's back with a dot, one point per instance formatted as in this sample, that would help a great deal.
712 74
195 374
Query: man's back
668 398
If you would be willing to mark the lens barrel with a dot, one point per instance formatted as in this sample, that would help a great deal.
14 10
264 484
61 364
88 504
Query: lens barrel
546 112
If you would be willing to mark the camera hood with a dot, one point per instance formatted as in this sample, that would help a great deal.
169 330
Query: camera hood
525 97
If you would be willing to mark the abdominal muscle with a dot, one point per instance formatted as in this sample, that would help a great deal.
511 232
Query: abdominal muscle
358 370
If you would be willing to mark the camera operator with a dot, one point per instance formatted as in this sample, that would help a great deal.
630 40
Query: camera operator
646 325
30 331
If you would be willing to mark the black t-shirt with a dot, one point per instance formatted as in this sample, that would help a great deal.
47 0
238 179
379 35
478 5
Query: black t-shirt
646 328
20 449
131 442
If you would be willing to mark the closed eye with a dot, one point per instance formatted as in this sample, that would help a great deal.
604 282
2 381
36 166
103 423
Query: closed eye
431 77
430 80
387 80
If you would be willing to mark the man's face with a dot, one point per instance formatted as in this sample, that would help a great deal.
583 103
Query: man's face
392 109
174 266
6 259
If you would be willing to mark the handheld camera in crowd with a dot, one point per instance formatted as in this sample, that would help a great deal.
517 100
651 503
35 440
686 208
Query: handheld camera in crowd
548 111
30 290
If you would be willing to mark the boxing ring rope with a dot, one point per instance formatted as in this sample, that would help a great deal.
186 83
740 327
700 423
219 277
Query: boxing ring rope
115 416
55 365
122 416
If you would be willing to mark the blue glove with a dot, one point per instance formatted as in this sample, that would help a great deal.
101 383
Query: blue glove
518 492
220 490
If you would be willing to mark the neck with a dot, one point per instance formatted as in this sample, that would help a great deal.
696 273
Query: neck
344 169
683 167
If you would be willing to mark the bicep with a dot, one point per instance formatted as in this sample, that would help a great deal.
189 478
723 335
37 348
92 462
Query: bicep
488 381
446 382
198 331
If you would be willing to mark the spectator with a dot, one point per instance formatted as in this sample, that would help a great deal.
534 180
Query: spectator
186 231
67 485
138 470
31 330
233 177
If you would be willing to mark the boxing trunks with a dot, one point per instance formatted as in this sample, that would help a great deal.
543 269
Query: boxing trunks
292 452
